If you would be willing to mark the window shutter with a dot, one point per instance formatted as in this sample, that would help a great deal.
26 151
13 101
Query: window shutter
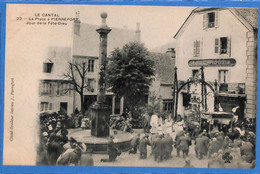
228 75
201 47
205 21
58 89
40 88
229 46
50 89
194 49
50 106
216 19
198 48
216 45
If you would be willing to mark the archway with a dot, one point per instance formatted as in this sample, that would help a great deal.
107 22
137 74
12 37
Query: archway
204 85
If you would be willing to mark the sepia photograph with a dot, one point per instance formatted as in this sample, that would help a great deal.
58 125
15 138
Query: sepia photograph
130 86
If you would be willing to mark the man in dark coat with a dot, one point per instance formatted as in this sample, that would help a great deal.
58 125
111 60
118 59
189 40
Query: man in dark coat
54 149
214 146
178 135
183 144
134 144
143 147
154 139
158 149
200 147
168 142
111 150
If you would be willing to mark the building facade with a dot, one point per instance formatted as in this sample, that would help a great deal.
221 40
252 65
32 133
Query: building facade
161 87
55 92
224 42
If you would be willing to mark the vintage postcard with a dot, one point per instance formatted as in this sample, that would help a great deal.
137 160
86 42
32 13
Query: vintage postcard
147 86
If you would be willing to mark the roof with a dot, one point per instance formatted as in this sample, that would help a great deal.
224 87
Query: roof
248 15
87 43
164 67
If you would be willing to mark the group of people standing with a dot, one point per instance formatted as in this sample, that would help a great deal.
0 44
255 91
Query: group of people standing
237 148
161 146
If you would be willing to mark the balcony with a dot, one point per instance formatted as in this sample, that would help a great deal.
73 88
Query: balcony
232 88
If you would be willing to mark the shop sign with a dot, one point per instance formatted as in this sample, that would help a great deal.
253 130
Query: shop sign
212 63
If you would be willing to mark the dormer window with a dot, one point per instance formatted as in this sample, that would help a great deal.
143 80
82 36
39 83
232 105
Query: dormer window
47 67
210 20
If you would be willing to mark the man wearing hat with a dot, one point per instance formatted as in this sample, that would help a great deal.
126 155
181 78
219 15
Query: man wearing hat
71 158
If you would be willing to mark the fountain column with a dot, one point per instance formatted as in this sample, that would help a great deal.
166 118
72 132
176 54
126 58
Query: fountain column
100 111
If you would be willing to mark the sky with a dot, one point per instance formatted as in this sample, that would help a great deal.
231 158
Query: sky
158 24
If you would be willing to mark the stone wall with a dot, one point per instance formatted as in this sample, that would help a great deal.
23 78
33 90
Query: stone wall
251 74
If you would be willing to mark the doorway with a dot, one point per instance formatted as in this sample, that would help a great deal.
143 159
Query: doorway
63 107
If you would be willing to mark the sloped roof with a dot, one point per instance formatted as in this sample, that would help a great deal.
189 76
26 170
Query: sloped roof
250 15
87 43
164 67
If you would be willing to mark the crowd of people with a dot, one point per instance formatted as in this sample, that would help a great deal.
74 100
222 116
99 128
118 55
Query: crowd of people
234 148
224 146
55 148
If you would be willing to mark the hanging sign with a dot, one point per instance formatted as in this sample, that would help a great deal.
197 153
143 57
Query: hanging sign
212 62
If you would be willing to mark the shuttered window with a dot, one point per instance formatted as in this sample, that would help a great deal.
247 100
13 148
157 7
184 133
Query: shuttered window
223 45
196 48
210 20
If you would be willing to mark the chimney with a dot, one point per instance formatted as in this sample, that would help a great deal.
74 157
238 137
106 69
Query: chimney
77 24
172 52
138 32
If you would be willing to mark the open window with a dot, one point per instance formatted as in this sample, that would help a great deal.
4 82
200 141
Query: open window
223 45
47 67
210 20
91 85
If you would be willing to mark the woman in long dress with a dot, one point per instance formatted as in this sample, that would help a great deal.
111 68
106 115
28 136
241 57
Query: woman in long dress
154 123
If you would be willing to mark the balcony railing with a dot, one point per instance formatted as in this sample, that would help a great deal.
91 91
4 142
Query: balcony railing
232 88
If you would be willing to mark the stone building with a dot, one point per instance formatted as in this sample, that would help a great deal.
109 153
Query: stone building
224 41
53 93
162 85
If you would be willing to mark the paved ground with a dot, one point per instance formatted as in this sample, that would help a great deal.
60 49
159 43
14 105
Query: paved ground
126 159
